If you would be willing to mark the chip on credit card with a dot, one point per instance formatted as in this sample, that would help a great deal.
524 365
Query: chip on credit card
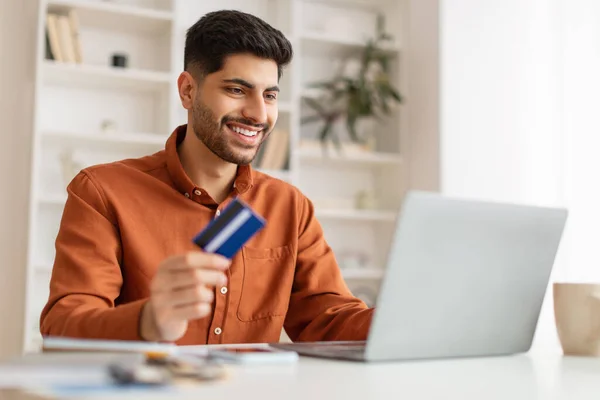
226 234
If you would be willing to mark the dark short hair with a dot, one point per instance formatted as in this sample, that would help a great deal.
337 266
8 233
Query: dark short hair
219 34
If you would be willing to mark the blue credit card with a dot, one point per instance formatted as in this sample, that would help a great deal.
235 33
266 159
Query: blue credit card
226 234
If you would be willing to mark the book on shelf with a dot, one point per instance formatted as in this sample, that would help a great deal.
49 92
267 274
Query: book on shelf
54 37
62 37
74 25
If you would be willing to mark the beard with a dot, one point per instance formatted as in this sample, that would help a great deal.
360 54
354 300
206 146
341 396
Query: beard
212 133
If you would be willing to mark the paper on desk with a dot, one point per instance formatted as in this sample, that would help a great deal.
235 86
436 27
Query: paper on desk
73 369
84 362
202 350
71 344
70 375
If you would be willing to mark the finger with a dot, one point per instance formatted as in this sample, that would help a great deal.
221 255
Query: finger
191 311
189 278
197 260
191 295
207 260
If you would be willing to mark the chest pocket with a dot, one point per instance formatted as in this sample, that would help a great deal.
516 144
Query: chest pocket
267 282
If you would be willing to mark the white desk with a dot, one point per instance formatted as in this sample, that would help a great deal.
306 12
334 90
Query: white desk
514 377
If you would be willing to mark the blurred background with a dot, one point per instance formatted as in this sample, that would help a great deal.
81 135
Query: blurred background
485 99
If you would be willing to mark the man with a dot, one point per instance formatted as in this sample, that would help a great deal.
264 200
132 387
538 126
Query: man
126 267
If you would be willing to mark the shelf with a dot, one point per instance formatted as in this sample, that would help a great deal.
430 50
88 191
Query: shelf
363 158
357 215
370 5
108 140
55 200
324 44
112 16
143 100
366 273
102 77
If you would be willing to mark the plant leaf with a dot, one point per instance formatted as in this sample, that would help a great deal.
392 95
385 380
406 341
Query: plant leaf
336 141
351 126
382 99
384 61
394 93
322 85
316 106
310 118
325 131
360 96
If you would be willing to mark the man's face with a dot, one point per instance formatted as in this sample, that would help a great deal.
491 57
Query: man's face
235 108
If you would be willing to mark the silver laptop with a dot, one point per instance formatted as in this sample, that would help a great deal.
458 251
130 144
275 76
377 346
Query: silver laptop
464 278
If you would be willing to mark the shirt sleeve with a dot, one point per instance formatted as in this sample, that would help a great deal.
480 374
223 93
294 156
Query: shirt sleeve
86 277
322 308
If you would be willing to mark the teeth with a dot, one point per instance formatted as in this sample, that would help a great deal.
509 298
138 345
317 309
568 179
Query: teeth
244 132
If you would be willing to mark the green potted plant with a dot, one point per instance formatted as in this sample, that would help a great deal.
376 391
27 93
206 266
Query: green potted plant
366 94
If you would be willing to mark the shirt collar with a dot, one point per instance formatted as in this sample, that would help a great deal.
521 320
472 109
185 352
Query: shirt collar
183 183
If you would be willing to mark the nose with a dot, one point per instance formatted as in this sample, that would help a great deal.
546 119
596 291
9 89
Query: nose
255 109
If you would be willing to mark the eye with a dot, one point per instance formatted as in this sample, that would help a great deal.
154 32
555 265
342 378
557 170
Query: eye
235 90
271 96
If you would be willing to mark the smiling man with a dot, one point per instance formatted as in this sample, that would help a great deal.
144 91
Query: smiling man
125 265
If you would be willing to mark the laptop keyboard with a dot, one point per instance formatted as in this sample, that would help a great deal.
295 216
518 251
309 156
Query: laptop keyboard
358 349
343 349
336 345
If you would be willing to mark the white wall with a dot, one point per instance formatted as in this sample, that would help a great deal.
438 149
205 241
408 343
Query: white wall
581 85
501 108
17 17
422 52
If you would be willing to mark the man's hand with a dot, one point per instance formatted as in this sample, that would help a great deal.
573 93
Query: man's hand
181 290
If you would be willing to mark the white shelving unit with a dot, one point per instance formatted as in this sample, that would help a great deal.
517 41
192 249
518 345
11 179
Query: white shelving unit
73 101
330 32
128 139
374 158
107 13
103 77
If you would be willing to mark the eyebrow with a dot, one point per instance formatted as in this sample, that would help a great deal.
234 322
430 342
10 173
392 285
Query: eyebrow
250 85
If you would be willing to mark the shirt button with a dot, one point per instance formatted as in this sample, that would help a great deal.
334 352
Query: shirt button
197 192
223 290
218 212
218 331
187 195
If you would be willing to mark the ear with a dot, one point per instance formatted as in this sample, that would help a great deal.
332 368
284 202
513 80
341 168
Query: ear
187 87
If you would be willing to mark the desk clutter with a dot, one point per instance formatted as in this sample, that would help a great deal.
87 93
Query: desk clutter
77 367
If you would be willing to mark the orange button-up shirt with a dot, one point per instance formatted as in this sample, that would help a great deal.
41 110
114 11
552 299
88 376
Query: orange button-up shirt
122 219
